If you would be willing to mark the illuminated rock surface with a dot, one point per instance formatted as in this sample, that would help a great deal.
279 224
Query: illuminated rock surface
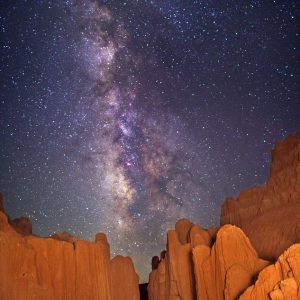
58 268
278 281
235 263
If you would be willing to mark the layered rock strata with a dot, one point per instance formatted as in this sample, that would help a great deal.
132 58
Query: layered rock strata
273 210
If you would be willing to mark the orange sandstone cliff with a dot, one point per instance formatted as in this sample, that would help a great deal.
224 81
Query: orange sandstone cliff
270 215
57 268
235 263
227 269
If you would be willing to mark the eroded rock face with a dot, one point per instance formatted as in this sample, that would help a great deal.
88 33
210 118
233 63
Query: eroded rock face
22 225
157 282
273 210
225 262
60 268
153 285
4 225
278 281
205 270
174 278
44 268
225 270
270 217
199 236
179 268
182 228
124 280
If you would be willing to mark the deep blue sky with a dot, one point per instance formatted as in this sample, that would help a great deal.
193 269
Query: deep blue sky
124 116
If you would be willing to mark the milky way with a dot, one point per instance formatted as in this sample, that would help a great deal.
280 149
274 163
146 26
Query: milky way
124 116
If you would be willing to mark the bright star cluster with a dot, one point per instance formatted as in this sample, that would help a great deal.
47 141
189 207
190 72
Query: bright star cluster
124 116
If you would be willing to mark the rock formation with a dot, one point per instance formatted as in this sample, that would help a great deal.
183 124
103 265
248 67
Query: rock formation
273 210
175 277
200 269
22 225
226 269
124 280
179 272
223 263
161 271
51 269
153 286
278 281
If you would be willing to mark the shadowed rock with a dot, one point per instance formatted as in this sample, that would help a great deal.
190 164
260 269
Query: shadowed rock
271 211
22 225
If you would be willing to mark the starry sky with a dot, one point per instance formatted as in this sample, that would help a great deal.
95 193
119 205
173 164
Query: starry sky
124 116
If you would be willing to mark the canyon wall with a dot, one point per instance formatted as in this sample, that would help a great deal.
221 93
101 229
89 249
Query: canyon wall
222 265
270 215
57 268
235 261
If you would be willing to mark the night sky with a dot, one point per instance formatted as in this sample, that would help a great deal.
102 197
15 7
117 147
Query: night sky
124 116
